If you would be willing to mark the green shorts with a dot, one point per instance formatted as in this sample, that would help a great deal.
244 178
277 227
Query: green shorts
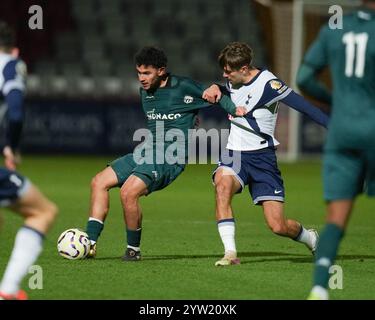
347 173
155 176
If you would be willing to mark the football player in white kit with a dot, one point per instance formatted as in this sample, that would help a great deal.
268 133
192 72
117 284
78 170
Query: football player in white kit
12 87
252 144
17 193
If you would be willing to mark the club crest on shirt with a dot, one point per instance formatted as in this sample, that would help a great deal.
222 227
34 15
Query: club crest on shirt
275 85
188 99
249 96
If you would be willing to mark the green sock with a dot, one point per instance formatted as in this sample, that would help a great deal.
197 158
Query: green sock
94 229
134 237
326 253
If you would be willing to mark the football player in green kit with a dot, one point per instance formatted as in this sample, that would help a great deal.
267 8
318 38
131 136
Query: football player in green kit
349 153
171 104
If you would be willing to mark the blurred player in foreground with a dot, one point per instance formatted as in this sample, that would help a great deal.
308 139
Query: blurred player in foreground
252 139
349 153
18 194
12 87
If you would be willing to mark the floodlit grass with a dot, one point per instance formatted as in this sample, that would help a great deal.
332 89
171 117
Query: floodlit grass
180 242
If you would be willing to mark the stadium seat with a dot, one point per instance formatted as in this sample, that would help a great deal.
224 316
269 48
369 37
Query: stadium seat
98 38
46 67
33 84
68 47
72 69
114 29
99 67
85 85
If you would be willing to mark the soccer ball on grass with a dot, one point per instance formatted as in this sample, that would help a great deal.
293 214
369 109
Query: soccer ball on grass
73 244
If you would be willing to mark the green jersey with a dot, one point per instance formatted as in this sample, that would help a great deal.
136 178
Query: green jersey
171 111
350 55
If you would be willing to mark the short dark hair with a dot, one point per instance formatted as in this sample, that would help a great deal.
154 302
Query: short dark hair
7 36
236 55
151 56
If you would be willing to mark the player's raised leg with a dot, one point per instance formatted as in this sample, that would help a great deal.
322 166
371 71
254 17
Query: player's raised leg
133 188
280 225
39 213
99 205
226 185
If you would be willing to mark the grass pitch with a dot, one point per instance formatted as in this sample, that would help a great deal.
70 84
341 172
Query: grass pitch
180 242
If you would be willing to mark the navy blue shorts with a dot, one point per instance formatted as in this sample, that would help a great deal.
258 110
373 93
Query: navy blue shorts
12 186
257 169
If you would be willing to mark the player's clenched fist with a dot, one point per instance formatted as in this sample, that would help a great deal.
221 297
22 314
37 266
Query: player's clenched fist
212 94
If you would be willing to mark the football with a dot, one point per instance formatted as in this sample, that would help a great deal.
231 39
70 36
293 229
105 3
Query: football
73 244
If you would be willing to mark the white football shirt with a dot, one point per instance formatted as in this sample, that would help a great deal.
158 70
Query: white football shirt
261 96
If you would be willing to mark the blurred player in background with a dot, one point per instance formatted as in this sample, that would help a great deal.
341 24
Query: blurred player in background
349 153
252 138
168 101
19 195
12 87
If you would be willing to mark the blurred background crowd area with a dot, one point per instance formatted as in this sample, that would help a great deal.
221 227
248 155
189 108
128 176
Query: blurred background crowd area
82 80
86 47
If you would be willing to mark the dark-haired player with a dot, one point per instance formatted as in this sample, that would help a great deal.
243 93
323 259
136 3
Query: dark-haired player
171 104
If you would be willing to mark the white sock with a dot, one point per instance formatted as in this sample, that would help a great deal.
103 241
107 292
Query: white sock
134 248
97 220
227 231
304 237
321 292
27 247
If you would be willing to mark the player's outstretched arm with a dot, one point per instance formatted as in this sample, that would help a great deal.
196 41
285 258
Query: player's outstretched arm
308 82
14 100
314 61
196 90
300 104
13 88
212 94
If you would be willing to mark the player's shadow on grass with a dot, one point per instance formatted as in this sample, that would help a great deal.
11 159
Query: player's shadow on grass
309 259
203 256
218 256
270 256
273 257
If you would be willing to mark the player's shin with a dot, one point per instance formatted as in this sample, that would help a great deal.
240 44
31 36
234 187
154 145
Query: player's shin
133 252
134 238
326 253
27 247
94 228
226 229
133 218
